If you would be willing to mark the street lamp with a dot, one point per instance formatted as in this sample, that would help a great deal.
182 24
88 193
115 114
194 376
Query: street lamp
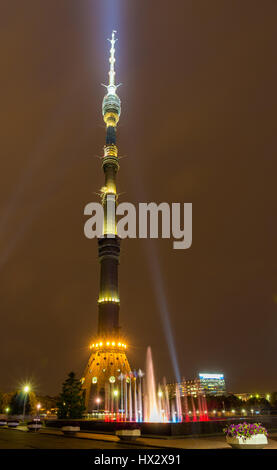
26 390
38 408
98 401
115 393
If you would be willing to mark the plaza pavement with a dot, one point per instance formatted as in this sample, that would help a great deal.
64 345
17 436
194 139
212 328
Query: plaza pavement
15 439
54 439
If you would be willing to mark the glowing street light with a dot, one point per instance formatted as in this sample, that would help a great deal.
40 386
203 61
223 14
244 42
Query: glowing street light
98 401
26 390
38 408
7 409
115 394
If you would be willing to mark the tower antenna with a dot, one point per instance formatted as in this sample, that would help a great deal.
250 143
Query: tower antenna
112 87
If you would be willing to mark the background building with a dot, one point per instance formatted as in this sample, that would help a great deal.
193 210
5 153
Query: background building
187 387
212 384
248 396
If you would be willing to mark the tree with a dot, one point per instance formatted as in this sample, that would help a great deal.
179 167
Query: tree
71 401
273 400
223 402
260 404
1 402
232 402
17 403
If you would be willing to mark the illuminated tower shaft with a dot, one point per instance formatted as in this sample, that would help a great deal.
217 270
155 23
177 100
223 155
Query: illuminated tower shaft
109 243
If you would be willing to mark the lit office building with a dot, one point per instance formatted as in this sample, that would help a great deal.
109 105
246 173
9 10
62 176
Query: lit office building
212 384
187 388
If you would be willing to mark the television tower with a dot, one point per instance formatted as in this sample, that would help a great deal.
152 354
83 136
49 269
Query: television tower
108 361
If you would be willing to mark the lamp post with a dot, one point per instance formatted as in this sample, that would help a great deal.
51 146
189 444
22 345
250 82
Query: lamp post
26 390
98 400
38 408
160 396
116 400
140 375
121 377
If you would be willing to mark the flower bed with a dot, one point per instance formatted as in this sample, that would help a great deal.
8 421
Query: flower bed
246 435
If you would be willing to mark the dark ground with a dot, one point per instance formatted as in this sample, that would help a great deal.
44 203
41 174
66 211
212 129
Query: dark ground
14 439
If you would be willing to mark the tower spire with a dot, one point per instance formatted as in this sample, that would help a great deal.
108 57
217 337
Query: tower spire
112 60
112 87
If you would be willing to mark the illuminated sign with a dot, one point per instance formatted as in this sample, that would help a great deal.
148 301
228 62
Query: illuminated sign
211 376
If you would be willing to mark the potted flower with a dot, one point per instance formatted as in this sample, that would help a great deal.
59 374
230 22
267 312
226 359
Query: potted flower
246 435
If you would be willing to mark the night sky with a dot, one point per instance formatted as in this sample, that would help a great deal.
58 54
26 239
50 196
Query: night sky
198 125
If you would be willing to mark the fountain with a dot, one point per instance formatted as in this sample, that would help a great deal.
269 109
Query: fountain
134 403
139 400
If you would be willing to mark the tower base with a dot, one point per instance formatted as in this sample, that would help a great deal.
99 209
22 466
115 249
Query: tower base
101 377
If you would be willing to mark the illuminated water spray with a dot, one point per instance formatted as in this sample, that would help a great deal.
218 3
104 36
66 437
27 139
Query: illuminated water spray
153 413
158 283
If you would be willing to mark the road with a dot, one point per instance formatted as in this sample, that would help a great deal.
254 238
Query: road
15 439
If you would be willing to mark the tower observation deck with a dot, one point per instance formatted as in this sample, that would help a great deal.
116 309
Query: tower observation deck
108 358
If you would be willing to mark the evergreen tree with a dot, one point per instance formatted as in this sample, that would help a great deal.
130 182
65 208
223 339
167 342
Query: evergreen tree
17 403
71 401
14 404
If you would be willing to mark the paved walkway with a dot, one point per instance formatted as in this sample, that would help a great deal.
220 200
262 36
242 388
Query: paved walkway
14 439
